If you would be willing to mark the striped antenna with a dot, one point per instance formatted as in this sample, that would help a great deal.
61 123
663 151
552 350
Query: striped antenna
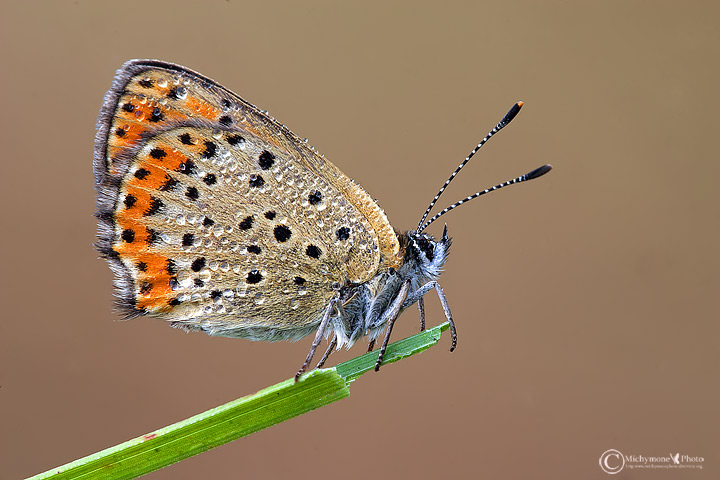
506 119
538 172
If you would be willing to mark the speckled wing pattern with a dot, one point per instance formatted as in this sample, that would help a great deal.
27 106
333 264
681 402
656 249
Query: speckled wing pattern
215 217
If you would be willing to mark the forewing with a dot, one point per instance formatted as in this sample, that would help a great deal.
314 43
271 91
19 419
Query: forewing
216 217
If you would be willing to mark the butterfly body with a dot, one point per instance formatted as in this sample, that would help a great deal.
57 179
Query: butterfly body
365 308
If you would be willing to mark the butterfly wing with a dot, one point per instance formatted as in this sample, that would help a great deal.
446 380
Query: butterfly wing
215 217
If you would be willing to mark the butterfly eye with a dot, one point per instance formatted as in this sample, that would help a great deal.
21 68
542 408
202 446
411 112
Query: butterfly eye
426 247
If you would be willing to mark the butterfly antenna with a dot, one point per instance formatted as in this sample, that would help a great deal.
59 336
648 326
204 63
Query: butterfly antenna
538 172
506 119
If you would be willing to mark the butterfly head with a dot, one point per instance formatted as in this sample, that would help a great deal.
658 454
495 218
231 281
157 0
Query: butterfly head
425 256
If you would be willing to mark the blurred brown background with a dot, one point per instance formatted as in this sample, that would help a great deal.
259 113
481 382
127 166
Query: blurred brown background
585 301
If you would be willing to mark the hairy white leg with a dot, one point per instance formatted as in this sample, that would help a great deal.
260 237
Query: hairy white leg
318 337
418 295
327 353
390 316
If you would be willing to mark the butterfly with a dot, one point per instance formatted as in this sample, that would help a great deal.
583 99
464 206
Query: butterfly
216 218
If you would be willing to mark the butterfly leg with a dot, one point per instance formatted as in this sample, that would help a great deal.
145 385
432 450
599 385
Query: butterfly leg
327 353
391 315
371 345
318 337
448 315
421 307
417 296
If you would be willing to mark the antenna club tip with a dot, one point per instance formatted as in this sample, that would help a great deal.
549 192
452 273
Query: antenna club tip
520 103
539 172
511 114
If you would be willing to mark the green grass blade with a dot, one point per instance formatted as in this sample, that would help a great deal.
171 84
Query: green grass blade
235 419
406 347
